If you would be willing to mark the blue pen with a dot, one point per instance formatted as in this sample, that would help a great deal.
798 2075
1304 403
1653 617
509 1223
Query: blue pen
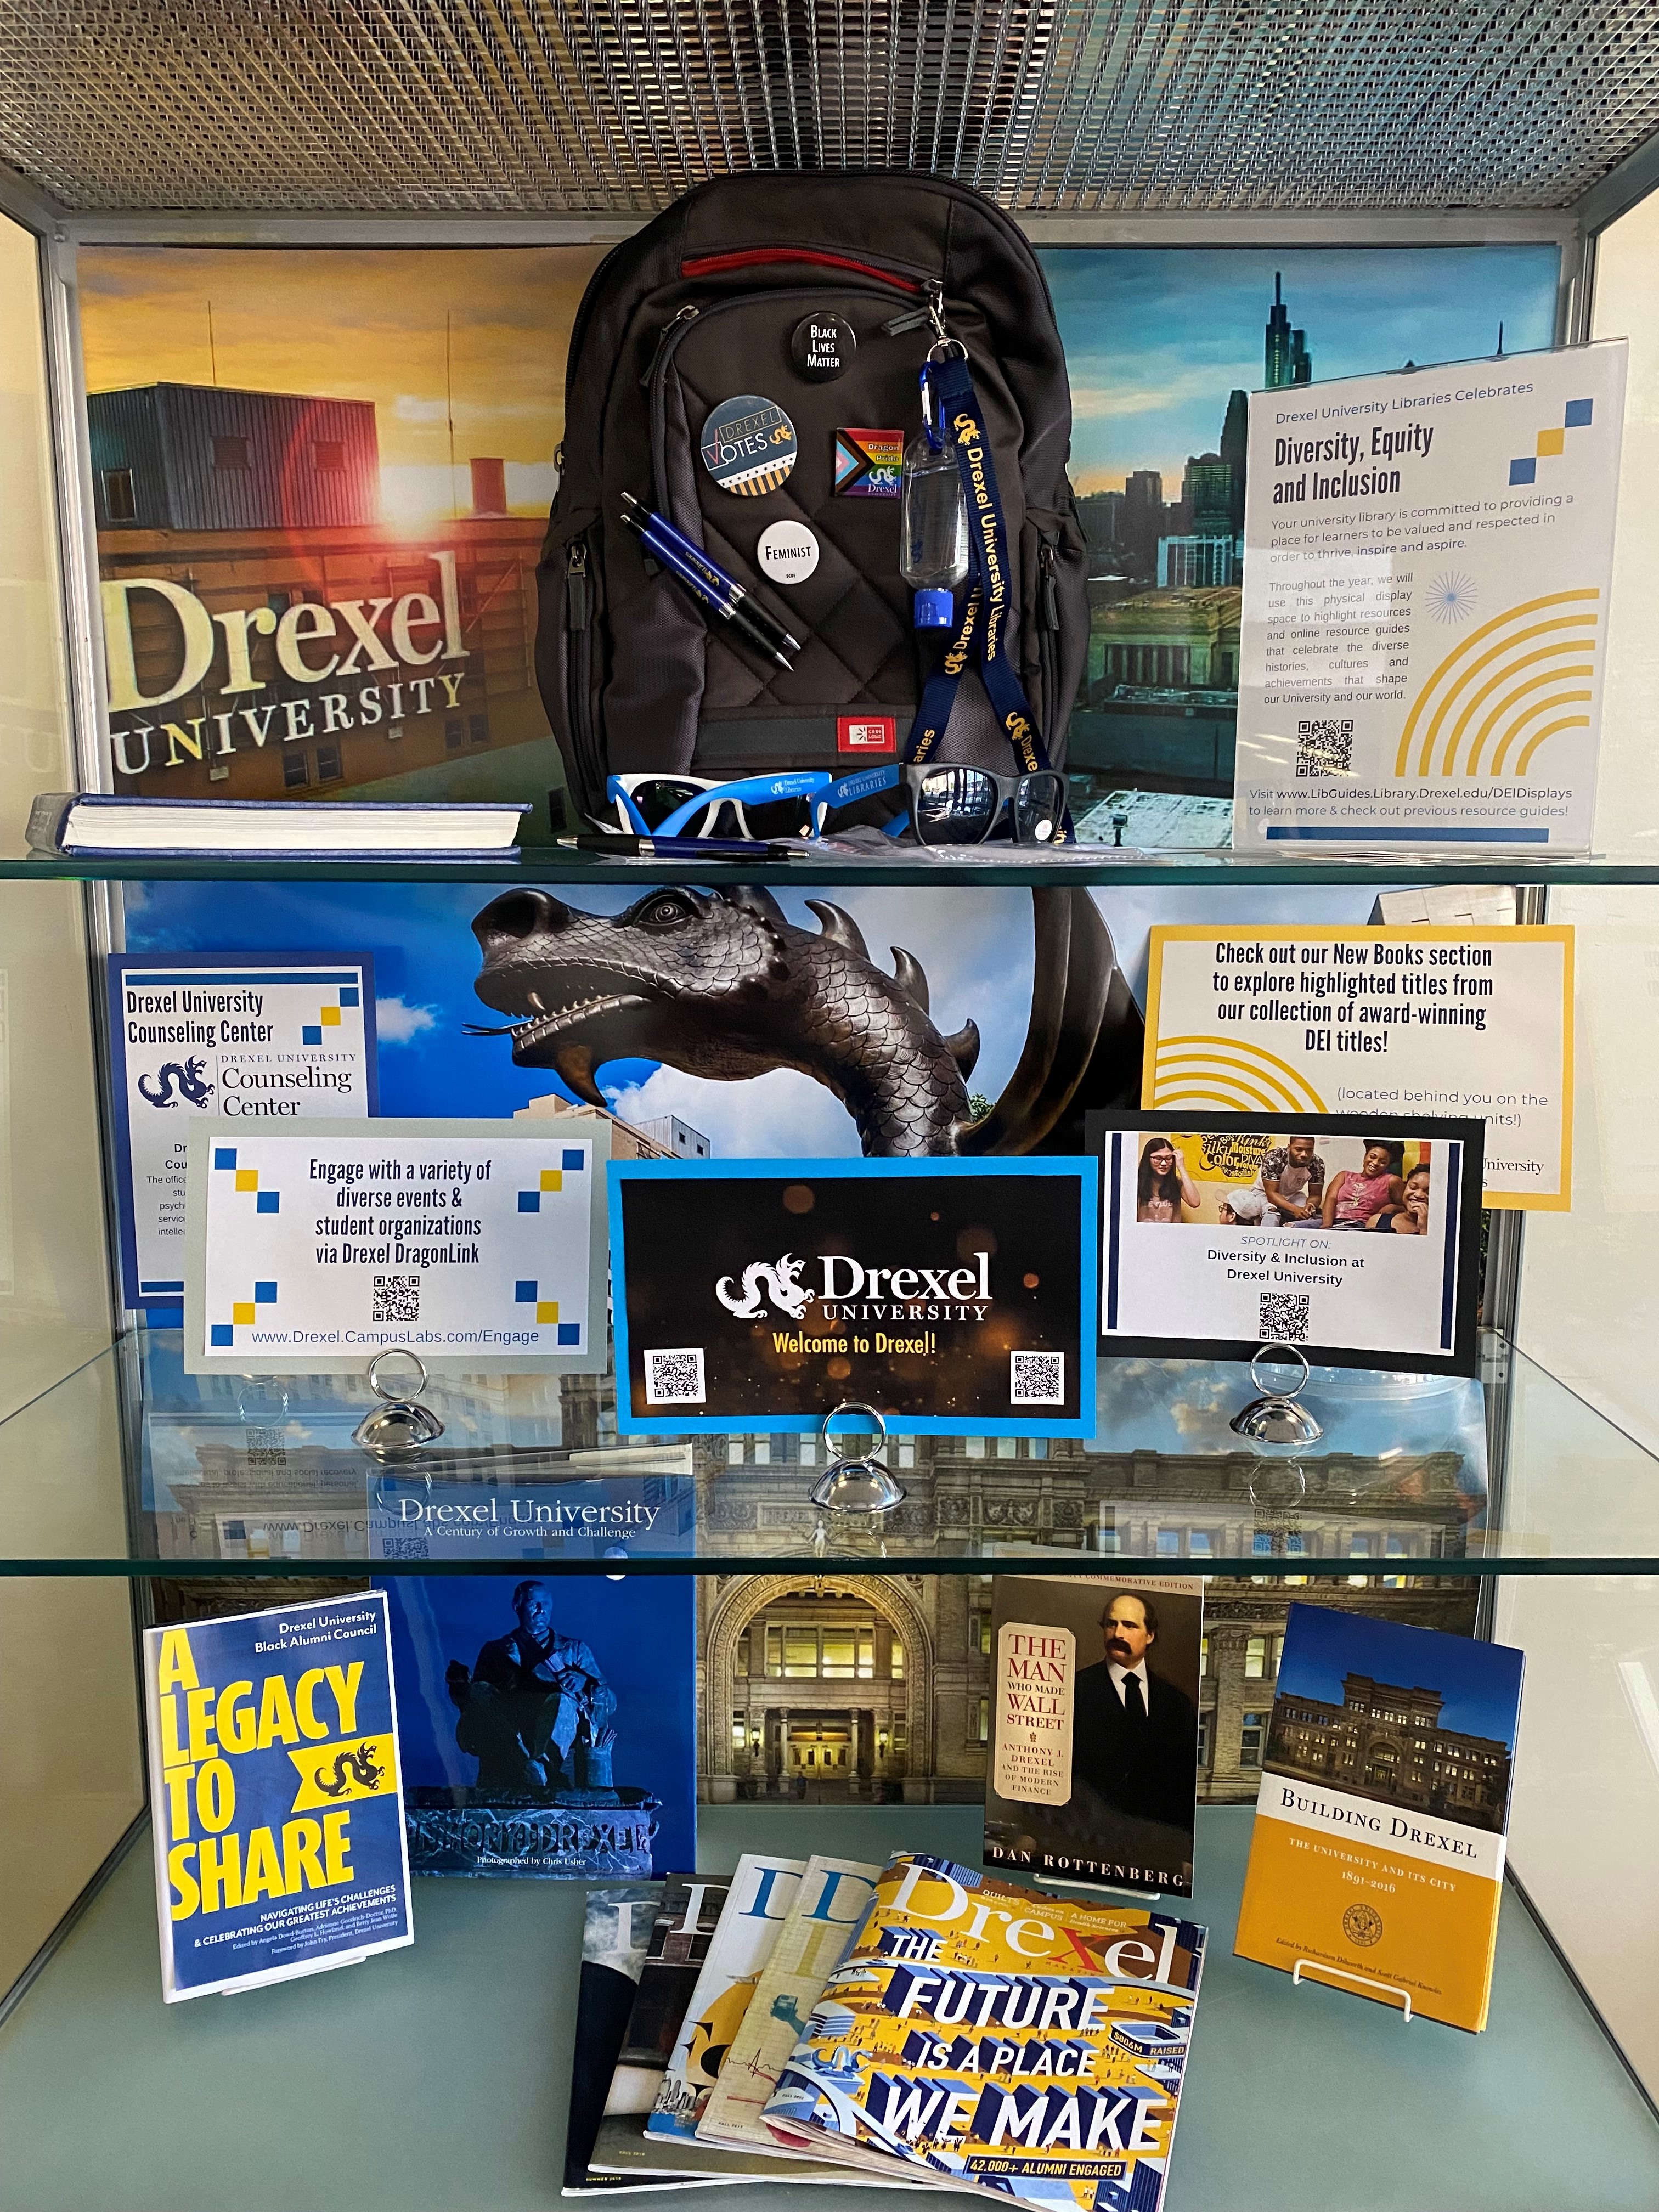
660 527
729 610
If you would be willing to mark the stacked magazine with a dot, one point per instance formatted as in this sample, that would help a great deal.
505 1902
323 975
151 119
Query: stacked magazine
920 2022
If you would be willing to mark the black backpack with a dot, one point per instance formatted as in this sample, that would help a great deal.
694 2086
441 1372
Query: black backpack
704 305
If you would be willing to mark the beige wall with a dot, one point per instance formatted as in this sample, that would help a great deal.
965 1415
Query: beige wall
54 1293
69 1729
1588 1761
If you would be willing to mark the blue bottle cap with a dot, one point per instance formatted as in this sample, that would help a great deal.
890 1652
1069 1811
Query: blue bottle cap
935 610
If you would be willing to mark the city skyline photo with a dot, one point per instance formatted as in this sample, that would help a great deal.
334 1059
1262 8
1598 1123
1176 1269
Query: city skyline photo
1157 337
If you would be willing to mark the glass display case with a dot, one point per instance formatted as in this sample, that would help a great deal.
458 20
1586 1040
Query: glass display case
843 1660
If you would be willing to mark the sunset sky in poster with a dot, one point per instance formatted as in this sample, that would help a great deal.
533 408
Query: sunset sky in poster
367 324
1156 337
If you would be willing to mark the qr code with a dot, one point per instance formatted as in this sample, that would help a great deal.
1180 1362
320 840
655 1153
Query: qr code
1324 748
674 1379
1284 1320
396 1297
405 1548
1037 1378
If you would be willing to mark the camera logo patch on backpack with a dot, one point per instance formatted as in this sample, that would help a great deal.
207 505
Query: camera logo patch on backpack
748 445
869 464
866 734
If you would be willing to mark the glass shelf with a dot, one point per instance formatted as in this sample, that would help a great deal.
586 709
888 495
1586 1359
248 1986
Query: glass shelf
1102 866
129 1467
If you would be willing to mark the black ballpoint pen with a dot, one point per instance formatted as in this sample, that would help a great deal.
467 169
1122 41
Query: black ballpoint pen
739 594
729 610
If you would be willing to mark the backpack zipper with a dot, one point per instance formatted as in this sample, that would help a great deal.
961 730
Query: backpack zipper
666 339
1048 590
757 256
579 673
934 312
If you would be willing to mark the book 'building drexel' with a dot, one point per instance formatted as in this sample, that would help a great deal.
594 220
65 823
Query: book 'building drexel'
1385 1740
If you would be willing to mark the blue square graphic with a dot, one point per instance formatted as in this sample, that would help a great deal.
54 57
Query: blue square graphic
1578 413
221 1332
530 1201
570 1332
574 1162
347 995
525 1293
311 1033
268 1201
224 1156
265 1294
1523 471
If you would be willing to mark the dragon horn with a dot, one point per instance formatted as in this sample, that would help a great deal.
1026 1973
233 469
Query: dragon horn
909 974
962 1045
1081 1013
840 928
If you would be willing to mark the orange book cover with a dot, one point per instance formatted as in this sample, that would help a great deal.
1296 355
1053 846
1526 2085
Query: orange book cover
1377 1862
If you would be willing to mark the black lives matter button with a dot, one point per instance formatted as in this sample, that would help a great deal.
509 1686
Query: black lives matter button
823 346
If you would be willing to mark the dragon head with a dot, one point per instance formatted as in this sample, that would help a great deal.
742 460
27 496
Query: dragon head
722 984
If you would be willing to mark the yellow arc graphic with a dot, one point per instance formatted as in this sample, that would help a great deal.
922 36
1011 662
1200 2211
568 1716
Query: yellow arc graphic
1460 651
1490 721
1229 1072
1499 652
1552 674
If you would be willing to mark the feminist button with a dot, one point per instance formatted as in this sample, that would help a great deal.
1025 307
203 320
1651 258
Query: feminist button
748 445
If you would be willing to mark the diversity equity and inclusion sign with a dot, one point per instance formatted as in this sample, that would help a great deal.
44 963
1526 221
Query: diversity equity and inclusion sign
1423 632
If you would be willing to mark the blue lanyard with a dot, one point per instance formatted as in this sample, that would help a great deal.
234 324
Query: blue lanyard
984 624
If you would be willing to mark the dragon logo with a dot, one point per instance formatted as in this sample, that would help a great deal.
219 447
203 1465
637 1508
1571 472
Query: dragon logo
190 1080
782 1284
351 1766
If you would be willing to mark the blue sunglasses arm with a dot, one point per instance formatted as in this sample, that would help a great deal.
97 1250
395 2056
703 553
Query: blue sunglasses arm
798 783
865 783
614 790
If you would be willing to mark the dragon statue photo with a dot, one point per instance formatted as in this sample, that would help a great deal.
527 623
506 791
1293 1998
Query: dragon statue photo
722 984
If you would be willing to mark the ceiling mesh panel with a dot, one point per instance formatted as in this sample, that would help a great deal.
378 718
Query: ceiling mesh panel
618 105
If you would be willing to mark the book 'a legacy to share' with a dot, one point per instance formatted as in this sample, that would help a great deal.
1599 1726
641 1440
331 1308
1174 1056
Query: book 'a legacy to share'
1094 1730
278 1813
978 2034
1377 1860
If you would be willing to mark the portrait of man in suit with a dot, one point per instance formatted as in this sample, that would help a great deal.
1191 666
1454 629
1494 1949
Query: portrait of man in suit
1133 1731
1121 1809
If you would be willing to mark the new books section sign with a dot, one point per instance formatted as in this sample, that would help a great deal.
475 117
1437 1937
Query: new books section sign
1427 563
1380 1023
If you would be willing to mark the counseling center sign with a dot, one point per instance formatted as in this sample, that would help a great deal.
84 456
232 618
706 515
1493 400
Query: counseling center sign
1423 628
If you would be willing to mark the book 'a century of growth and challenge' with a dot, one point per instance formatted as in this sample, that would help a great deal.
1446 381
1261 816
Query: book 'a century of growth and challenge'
278 1804
1377 1860
978 2034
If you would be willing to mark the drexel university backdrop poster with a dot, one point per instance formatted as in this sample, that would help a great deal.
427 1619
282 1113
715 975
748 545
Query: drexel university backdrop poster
322 477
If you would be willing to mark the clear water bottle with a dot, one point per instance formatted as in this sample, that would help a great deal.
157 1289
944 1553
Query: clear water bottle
934 558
